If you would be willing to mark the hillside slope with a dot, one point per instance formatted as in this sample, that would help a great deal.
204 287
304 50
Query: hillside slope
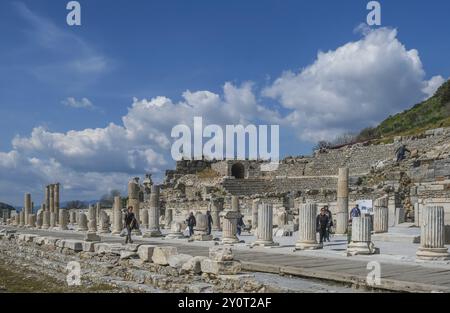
432 113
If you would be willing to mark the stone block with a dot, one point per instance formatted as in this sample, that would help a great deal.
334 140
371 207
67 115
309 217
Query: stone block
88 246
161 255
125 254
221 253
145 252
220 267
193 265
132 247
92 237
50 241
178 260
74 245
103 248
39 240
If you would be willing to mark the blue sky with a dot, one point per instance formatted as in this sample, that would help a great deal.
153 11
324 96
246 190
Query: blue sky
127 53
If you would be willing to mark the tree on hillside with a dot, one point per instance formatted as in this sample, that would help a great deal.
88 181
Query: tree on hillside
107 200
76 205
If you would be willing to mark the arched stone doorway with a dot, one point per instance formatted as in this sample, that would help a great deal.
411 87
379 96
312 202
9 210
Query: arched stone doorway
238 171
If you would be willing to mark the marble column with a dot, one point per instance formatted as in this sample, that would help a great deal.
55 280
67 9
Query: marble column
32 220
133 197
361 242
432 238
40 218
52 219
176 231
52 198
104 223
381 215
144 218
342 202
82 222
63 219
45 219
235 203
47 197
92 217
56 200
153 214
201 228
117 211
255 210
264 233
27 208
417 214
73 218
216 208
229 231
168 216
307 228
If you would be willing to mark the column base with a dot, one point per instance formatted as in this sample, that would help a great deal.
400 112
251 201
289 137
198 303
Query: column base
44 227
136 232
202 237
362 248
116 232
91 237
229 241
265 243
433 254
82 229
380 231
104 231
62 228
152 233
308 246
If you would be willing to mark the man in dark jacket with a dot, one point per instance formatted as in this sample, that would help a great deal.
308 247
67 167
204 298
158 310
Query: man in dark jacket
210 221
191 222
330 222
322 224
130 224
240 225
401 153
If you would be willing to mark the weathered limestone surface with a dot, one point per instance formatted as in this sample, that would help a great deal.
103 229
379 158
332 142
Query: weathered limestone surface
63 219
255 207
145 252
201 228
432 239
82 222
307 228
361 242
264 233
216 206
161 254
46 219
342 202
117 212
168 217
153 214
381 216
178 260
176 231
104 223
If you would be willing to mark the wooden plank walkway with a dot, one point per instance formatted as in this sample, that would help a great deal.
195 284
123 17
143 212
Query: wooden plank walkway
394 277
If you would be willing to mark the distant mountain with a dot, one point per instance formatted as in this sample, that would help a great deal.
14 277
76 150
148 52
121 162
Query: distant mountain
4 206
431 113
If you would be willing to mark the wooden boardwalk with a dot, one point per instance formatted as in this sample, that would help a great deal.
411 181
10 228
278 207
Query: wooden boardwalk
394 277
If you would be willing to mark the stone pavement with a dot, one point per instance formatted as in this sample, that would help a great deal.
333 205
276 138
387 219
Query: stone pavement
399 270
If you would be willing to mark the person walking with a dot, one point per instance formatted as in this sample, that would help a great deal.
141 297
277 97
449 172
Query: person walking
240 225
355 212
130 224
400 153
330 223
322 224
210 221
191 222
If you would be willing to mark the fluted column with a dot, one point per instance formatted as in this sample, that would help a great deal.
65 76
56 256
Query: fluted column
45 219
361 238
144 218
168 216
153 214
229 225
417 214
27 208
63 219
73 218
22 218
47 197
381 215
307 228
264 233
52 198
82 222
176 231
432 239
92 225
117 212
104 223
32 220
255 206
52 219
56 200
133 198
